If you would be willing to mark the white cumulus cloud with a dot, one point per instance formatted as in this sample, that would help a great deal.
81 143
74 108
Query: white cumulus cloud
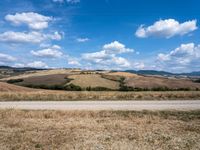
186 57
6 58
32 20
28 37
73 62
166 28
37 64
116 48
108 55
51 52
34 64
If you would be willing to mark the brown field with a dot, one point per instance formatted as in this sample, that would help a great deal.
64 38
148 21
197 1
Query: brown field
151 82
93 80
50 95
39 73
155 82
123 130
54 79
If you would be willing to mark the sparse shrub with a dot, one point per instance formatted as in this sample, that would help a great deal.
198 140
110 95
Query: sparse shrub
198 81
38 146
15 81
100 89
160 89
72 87
68 79
43 86
88 88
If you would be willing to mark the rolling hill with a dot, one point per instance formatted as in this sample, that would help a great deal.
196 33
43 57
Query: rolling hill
70 79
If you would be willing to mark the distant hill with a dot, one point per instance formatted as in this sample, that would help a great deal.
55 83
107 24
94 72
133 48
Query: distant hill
163 73
19 69
150 72
197 73
7 71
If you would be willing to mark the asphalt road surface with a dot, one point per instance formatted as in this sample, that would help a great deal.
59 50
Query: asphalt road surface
103 105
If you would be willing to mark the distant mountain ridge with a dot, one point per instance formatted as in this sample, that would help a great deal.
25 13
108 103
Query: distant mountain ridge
163 73
20 68
144 72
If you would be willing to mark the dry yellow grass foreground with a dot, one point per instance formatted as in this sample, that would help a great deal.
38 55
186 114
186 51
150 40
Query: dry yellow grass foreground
48 95
44 130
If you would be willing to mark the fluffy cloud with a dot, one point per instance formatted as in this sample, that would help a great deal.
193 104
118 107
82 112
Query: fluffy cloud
32 20
34 64
186 56
116 48
6 58
82 40
73 62
51 52
108 55
37 64
28 37
166 28
139 65
120 61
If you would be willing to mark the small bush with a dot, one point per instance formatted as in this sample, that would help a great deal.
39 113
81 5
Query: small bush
198 81
43 86
100 89
72 87
15 80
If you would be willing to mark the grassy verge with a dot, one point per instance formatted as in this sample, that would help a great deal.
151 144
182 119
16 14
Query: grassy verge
91 95
20 129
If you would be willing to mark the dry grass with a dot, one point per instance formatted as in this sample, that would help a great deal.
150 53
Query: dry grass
93 80
48 95
124 74
44 130
5 87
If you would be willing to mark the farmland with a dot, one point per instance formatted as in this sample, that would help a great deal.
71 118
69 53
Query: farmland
71 80
62 84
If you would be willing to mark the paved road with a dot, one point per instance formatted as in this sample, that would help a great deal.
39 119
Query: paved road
103 105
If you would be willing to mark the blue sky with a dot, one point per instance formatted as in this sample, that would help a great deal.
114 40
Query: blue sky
101 34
